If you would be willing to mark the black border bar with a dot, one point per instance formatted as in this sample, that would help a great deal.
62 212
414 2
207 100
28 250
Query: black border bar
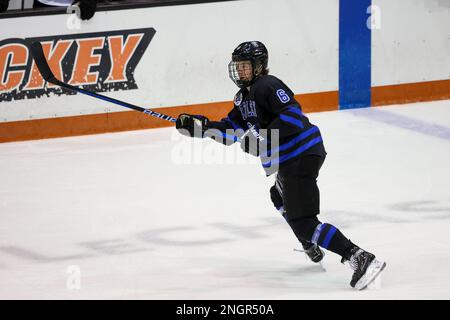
105 7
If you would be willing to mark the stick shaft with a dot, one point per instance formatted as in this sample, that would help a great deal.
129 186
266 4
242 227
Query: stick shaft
47 74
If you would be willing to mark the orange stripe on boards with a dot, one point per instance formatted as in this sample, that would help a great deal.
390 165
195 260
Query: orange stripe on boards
132 120
318 102
101 123
411 92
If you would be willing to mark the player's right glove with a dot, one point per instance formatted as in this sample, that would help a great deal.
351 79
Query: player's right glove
192 125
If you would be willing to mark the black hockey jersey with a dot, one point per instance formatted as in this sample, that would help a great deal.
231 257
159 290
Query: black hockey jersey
270 104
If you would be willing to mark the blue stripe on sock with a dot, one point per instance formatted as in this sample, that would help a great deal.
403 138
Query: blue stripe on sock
316 234
329 236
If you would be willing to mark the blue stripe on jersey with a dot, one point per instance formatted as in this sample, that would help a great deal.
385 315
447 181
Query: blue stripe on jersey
292 154
295 140
299 138
295 110
229 137
295 122
224 135
330 234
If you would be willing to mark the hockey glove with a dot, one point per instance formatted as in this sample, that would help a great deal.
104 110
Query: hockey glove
4 5
192 125
87 8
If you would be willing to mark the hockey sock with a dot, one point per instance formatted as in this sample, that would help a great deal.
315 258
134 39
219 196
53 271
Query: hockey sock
329 237
324 235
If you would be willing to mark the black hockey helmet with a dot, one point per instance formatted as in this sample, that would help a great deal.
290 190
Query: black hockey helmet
254 51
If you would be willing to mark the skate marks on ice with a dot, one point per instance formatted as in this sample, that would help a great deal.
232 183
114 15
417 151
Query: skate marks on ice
404 122
106 247
398 213
424 208
148 240
35 256
211 234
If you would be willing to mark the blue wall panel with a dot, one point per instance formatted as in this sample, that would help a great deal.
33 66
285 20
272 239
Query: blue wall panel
354 54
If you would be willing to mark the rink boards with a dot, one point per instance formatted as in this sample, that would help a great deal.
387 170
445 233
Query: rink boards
165 58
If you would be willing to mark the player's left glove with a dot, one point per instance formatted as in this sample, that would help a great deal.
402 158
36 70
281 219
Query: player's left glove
192 125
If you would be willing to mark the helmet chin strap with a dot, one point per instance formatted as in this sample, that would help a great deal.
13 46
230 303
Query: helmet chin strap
255 74
257 71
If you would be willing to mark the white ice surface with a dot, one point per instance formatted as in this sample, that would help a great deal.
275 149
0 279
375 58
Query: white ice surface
140 225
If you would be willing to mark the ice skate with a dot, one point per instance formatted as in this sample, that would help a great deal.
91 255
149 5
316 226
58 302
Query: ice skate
366 268
313 253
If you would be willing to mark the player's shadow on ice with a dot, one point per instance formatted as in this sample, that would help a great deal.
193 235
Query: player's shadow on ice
285 276
306 270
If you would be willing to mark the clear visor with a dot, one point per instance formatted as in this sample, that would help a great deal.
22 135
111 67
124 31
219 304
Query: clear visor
241 72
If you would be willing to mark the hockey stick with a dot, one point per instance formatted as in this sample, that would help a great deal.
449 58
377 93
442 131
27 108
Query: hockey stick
47 74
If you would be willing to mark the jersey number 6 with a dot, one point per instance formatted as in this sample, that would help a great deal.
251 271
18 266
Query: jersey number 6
284 98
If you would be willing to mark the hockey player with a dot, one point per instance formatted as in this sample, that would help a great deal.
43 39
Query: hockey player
263 106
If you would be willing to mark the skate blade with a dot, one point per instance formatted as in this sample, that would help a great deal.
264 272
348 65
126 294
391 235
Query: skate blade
322 266
320 263
372 272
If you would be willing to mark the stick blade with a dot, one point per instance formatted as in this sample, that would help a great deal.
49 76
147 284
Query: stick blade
41 62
